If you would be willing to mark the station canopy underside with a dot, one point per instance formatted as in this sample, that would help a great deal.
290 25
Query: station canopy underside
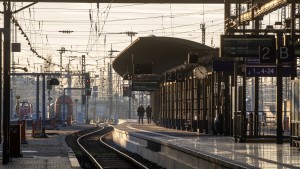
138 1
164 53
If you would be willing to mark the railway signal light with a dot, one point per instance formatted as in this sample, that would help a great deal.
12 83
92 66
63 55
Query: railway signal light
53 81
87 82
88 91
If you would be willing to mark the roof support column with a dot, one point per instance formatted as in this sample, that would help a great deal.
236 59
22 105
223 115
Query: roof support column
6 83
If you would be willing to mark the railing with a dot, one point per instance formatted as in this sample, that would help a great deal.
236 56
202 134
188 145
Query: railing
267 123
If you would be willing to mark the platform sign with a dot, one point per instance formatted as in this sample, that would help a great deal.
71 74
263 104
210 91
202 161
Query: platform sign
247 45
145 86
267 71
252 61
145 82
261 71
170 76
175 76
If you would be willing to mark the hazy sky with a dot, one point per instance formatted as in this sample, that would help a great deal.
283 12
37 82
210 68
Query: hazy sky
98 28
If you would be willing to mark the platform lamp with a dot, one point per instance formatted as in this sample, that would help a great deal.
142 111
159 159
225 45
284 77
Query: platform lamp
128 77
50 83
54 81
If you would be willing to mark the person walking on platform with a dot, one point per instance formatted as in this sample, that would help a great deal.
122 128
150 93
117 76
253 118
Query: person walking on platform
149 112
141 112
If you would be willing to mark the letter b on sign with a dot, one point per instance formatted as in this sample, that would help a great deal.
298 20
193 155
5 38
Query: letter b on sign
286 54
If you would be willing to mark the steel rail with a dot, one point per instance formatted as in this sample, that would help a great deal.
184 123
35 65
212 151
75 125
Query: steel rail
87 153
123 154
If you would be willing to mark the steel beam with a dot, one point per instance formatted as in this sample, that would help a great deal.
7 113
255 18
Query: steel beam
35 74
258 12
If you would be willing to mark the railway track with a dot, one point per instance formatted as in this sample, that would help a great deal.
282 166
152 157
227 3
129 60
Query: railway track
104 155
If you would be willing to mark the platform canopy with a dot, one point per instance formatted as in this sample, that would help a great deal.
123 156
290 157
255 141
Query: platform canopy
163 53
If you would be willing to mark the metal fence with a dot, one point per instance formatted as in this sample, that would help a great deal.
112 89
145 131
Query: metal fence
267 123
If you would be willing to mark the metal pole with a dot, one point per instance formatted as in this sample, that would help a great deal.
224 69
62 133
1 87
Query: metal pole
256 105
61 52
95 109
87 110
235 103
279 137
129 98
130 81
44 107
76 112
37 110
256 88
69 79
6 83
83 97
49 103
1 82
64 107
110 88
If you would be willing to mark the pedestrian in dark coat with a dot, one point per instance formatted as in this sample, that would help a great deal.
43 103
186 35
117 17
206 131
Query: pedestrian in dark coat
141 112
149 114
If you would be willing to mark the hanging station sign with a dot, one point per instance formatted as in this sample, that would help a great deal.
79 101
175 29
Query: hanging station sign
248 46
145 82
175 76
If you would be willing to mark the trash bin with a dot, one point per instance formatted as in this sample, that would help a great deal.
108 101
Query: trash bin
53 123
23 124
15 140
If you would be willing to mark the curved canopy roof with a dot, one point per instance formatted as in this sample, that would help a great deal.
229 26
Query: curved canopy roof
162 52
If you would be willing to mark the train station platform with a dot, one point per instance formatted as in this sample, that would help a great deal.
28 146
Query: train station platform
176 149
46 153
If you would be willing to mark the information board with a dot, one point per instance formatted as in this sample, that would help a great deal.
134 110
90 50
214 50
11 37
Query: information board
246 45
145 82
145 86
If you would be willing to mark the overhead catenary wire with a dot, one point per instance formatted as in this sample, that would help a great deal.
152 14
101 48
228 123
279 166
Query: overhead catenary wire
103 20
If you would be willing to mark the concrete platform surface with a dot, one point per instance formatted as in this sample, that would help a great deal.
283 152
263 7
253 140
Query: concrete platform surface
249 155
46 153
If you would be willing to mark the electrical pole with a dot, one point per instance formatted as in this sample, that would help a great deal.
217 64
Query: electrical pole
129 81
83 92
61 51
110 84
